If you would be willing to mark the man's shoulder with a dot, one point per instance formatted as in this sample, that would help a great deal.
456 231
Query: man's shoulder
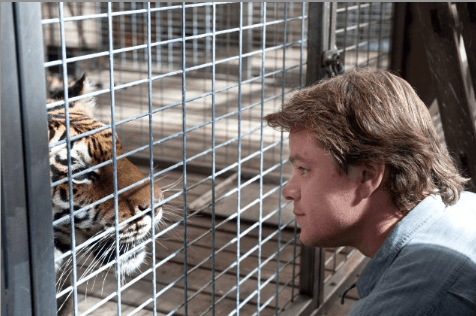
423 280
466 204
434 268
452 233
445 248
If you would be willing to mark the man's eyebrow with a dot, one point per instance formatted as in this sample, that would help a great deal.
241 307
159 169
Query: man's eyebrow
295 159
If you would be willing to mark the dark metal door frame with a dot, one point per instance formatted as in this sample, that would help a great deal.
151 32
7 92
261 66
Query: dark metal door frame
311 275
28 280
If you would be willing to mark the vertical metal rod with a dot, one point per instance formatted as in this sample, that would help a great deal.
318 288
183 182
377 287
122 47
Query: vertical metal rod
158 36
207 30
311 265
291 9
334 254
170 55
281 145
261 146
16 247
27 253
114 157
346 18
224 13
301 51
293 282
99 27
357 37
317 36
205 136
213 152
194 31
380 35
51 29
369 34
332 25
122 33
134 23
184 158
151 157
248 39
238 180
68 155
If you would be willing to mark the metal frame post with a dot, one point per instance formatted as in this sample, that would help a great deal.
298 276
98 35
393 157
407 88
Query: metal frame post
312 259
311 275
400 28
318 40
247 38
321 38
27 246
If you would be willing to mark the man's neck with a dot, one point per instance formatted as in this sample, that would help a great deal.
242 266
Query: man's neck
382 218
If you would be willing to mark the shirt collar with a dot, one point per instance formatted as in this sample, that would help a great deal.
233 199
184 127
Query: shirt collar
427 209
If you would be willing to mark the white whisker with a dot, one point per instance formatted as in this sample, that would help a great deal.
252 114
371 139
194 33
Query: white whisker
171 185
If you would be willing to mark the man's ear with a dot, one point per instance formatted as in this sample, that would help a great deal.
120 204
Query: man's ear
372 175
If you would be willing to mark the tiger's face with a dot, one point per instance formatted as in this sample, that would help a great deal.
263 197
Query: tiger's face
96 187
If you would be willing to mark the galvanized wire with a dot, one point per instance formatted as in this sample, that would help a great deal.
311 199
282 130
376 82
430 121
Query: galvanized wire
283 86
135 55
184 157
151 157
114 160
260 213
239 163
68 155
213 153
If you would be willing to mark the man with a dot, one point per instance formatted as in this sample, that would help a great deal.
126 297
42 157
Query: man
370 172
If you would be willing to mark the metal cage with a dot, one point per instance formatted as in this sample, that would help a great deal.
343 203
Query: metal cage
184 86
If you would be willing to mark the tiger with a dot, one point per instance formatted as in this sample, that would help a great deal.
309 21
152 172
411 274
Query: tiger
92 186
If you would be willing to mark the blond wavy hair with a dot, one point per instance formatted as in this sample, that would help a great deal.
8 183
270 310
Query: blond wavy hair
372 116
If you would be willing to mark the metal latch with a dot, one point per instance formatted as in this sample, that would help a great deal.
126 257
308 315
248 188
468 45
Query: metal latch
331 63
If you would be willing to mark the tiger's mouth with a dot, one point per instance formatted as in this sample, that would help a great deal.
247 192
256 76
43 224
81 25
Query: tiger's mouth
132 249
131 255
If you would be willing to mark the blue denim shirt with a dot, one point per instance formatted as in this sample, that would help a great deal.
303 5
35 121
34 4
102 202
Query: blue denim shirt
427 264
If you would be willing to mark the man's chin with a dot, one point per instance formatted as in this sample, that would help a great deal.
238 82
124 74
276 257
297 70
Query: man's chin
321 243
306 242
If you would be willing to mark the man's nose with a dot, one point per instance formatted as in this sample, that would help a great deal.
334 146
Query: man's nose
290 191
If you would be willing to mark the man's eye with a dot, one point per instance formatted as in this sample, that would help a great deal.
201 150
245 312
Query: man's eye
303 171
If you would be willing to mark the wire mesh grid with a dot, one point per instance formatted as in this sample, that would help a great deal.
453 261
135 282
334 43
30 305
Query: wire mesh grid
363 33
191 81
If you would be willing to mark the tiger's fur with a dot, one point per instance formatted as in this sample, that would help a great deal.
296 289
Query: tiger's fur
92 186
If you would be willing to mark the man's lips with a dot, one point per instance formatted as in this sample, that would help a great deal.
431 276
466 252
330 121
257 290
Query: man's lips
297 214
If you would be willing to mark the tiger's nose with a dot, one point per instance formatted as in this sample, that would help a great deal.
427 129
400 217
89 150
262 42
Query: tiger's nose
147 206
143 207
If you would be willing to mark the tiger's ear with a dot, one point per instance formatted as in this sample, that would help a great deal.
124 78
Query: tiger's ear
79 87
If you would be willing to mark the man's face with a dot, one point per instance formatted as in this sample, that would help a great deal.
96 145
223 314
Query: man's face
323 199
